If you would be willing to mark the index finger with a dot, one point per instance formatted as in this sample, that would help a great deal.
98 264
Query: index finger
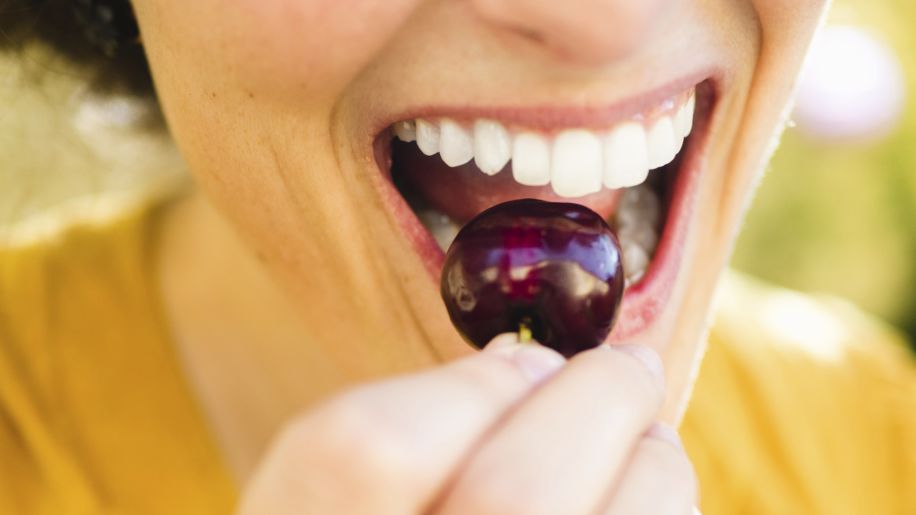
390 447
565 444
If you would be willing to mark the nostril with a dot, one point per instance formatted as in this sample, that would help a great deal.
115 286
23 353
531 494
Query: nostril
589 32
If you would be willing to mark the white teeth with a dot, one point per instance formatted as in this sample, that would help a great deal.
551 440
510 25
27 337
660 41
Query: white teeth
626 161
576 163
685 115
678 143
427 137
531 159
455 144
492 146
637 222
639 206
406 131
641 234
442 228
635 262
661 142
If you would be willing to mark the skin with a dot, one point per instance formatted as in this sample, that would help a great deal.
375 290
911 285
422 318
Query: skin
285 277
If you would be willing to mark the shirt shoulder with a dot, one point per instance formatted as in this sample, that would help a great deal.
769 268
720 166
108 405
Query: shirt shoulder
803 404
59 272
90 388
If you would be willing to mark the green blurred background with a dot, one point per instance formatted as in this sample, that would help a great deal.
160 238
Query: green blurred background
835 217
839 217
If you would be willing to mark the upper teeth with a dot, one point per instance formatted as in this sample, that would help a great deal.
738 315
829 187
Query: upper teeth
575 162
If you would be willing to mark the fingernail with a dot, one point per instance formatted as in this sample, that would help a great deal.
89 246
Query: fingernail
666 433
647 356
533 359
502 341
537 362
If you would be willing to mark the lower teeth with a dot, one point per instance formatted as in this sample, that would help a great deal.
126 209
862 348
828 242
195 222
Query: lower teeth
636 224
442 228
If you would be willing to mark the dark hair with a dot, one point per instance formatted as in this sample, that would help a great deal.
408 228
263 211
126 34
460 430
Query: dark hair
100 36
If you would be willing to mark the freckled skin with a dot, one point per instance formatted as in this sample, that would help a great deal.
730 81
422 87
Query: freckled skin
285 270
554 267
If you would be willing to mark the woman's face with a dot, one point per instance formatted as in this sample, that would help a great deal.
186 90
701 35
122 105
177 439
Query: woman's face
284 110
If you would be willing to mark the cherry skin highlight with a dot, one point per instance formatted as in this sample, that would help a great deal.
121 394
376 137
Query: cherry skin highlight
550 268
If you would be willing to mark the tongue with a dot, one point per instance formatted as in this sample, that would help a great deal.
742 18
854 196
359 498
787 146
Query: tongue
464 191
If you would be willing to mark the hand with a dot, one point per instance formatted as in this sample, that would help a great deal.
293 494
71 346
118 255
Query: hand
514 429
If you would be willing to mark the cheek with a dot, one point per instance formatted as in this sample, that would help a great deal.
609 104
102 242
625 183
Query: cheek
786 28
279 48
789 18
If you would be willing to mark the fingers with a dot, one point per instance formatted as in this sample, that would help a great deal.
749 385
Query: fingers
566 443
659 479
390 447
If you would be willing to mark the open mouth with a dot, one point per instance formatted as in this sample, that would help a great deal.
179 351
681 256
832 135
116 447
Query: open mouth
637 167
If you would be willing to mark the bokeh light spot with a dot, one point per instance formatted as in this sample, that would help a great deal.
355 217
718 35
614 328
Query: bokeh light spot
852 87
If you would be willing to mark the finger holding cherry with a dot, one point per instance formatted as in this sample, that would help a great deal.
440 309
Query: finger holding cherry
514 429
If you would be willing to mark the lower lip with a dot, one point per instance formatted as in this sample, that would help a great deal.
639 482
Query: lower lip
643 301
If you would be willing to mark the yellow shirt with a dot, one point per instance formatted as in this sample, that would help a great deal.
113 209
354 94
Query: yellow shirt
802 405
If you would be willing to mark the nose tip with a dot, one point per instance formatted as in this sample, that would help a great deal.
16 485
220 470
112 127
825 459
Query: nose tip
590 32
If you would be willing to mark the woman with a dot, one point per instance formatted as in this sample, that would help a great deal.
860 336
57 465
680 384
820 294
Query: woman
274 340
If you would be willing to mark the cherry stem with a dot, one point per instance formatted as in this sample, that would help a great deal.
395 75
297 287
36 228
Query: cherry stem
524 332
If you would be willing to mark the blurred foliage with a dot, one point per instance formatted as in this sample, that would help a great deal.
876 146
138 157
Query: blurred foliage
840 218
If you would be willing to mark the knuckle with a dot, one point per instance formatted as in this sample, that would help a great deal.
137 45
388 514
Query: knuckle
640 380
346 438
628 378
495 377
357 431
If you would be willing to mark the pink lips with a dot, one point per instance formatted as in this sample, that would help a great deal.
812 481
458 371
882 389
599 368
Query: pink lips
643 301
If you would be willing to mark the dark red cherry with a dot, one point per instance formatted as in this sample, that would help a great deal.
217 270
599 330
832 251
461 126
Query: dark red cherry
553 268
